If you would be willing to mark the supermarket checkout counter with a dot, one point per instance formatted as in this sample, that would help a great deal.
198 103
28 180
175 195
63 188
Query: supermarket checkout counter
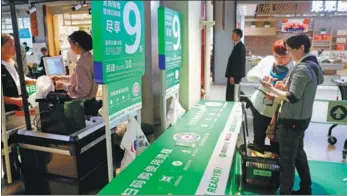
64 164
66 151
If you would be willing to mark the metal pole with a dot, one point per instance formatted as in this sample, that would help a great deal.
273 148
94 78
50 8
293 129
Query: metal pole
4 139
20 64
163 100
108 133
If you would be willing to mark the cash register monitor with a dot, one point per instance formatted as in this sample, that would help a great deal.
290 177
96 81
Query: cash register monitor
54 66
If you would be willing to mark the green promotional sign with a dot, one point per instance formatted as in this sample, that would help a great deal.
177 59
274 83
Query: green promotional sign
118 40
337 112
124 97
170 46
172 81
194 157
31 89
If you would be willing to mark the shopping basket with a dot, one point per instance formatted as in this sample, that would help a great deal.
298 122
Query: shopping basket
258 172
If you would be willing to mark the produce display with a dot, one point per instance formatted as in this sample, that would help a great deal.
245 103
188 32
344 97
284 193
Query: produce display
294 27
333 57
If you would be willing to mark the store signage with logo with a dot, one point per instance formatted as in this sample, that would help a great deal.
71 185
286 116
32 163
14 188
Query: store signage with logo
295 25
118 40
124 97
170 46
200 167
329 6
337 112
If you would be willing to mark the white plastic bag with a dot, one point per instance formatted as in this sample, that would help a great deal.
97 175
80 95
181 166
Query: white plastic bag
175 112
134 142
44 85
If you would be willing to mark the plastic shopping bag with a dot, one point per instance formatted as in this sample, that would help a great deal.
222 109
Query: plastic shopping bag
134 142
175 112
44 85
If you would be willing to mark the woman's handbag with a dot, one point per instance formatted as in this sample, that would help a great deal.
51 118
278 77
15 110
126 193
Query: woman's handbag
271 128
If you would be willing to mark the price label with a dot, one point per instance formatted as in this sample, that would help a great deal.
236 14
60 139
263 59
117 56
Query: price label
170 39
118 40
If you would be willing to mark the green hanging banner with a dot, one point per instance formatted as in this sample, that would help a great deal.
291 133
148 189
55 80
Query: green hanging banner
118 40
170 46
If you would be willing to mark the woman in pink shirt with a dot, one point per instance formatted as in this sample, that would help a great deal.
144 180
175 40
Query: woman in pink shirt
81 83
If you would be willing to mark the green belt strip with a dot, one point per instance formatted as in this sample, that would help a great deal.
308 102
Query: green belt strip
196 156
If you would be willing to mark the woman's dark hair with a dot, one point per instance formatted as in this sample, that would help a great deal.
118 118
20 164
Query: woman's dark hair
4 38
83 39
296 41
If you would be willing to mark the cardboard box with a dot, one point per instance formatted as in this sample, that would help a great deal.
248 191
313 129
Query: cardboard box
341 32
340 47
317 37
342 72
329 72
326 37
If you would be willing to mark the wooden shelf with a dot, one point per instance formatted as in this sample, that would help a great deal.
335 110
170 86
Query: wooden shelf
317 45
260 31
260 19
321 40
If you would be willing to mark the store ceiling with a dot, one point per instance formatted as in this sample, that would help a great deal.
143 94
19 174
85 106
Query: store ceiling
276 8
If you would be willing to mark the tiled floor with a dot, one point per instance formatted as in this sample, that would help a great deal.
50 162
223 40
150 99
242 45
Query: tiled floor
316 145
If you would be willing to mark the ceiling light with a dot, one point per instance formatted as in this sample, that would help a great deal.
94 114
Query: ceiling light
76 7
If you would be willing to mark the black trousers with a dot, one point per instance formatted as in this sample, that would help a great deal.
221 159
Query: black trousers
292 155
260 124
230 92
14 165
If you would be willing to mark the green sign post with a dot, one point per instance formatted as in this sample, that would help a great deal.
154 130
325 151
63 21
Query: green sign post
194 157
170 54
337 112
119 61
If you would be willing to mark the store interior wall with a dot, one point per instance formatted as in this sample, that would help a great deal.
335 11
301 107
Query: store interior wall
191 50
261 45
223 44
209 45
151 80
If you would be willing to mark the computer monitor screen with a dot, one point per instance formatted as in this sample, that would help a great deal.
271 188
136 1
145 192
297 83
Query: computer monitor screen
54 65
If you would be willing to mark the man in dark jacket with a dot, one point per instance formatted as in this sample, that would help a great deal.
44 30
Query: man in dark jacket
236 65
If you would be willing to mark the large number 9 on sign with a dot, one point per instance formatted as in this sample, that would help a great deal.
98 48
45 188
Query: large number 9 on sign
132 30
176 31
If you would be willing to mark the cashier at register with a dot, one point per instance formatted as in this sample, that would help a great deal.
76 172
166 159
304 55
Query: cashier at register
81 83
9 76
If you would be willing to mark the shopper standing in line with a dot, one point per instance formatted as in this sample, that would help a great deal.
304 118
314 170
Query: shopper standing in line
276 69
295 114
236 66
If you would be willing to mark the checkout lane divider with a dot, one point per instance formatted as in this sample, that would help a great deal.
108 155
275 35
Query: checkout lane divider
216 161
